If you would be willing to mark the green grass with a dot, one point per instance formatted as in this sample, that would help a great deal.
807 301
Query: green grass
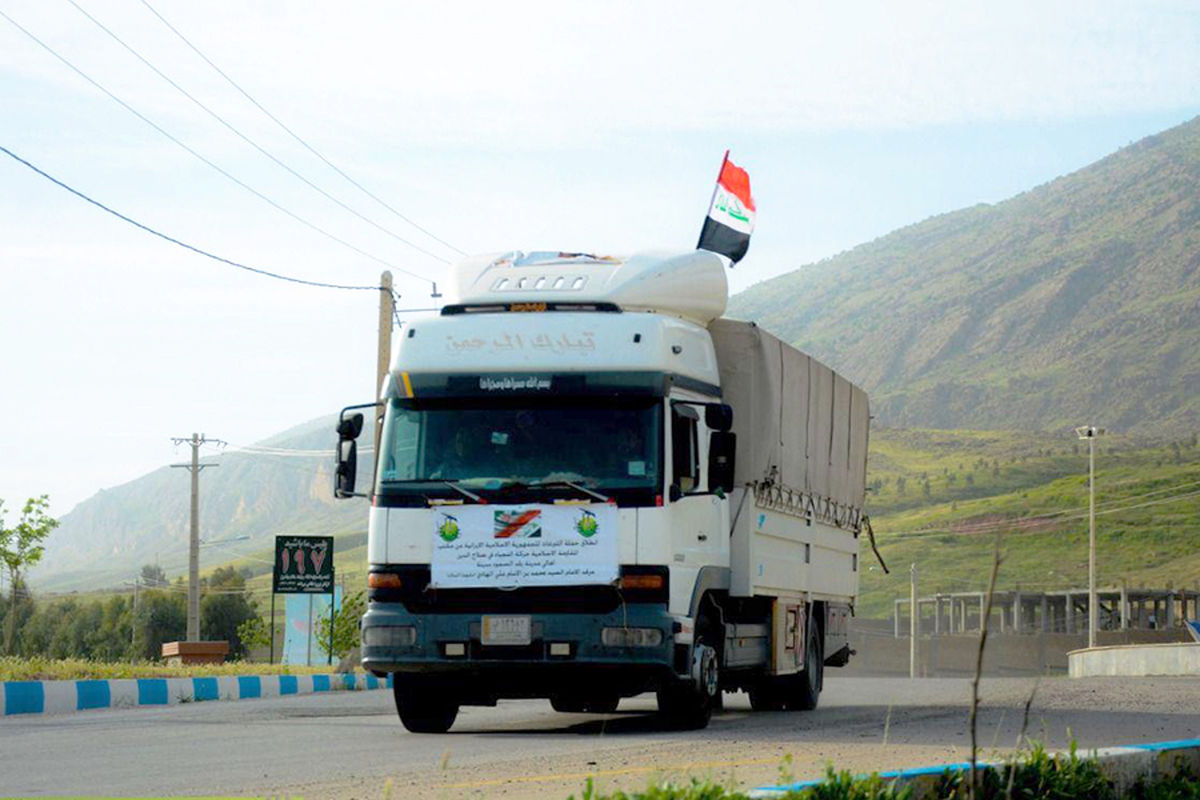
47 669
1033 489
1033 775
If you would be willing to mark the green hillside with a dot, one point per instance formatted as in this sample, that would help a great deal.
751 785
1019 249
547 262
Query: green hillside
1075 302
107 538
1032 488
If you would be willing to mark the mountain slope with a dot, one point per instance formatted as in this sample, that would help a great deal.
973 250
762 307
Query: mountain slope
108 537
1076 301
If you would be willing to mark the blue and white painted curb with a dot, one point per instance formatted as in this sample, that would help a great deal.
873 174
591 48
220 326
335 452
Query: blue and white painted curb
63 697
1124 766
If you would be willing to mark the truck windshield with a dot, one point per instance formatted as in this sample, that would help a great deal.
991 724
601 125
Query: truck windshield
604 444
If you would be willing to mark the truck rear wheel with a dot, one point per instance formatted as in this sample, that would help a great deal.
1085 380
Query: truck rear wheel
766 697
804 688
423 708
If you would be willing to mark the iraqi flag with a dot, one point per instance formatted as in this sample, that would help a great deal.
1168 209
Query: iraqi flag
730 218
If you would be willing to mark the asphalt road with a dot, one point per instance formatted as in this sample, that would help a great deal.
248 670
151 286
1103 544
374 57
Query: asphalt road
346 745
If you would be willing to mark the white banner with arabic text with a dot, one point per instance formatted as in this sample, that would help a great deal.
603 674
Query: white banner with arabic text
525 545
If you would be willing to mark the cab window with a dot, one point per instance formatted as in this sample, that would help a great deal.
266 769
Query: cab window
685 454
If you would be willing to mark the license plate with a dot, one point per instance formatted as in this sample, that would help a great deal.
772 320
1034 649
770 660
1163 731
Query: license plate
506 631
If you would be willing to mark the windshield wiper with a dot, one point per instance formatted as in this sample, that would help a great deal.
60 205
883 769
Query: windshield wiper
577 487
464 492
453 484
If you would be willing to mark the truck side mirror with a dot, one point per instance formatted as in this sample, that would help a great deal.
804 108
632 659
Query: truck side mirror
350 427
347 467
718 416
344 476
722 447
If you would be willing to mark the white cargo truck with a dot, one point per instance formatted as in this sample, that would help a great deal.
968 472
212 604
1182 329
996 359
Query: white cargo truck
590 485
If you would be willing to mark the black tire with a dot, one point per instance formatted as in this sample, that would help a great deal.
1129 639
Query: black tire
606 705
766 697
804 689
567 705
422 708
687 706
575 705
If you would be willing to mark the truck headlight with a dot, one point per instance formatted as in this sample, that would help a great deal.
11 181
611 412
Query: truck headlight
390 636
631 637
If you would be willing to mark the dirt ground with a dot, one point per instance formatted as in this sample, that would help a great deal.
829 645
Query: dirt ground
863 725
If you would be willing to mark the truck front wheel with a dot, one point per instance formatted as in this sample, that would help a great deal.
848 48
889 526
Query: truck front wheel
423 708
689 705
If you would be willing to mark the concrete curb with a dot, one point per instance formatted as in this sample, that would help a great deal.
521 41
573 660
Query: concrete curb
66 697
1124 766
1136 660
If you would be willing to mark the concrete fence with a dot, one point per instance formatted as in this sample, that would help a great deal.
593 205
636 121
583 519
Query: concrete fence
63 697
879 653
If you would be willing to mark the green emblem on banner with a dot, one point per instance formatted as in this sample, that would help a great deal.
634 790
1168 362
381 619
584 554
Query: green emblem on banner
448 530
586 526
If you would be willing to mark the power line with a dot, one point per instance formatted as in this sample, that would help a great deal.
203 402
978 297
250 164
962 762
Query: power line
311 225
250 141
251 450
175 241
292 133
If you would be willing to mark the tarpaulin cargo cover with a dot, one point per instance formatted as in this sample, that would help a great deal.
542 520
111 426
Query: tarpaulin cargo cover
799 424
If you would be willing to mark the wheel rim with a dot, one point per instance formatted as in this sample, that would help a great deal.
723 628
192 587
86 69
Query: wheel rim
706 670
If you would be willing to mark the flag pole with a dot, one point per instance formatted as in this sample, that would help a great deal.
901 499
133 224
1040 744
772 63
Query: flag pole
724 161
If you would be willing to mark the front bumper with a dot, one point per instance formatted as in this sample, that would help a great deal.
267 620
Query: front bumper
566 654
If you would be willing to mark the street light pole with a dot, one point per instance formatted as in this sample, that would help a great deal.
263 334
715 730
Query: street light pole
1090 432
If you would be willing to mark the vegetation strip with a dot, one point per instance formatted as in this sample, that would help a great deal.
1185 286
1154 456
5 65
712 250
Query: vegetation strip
1109 772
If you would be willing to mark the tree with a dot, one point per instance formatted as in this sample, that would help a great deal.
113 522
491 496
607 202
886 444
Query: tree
254 633
18 614
153 575
224 608
21 548
161 617
345 627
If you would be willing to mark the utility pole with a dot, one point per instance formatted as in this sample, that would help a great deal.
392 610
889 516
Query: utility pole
137 582
1090 432
193 605
387 310
914 624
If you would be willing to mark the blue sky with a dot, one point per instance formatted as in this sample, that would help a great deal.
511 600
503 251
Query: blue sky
545 125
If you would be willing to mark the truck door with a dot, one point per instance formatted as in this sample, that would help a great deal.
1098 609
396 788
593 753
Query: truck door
700 520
